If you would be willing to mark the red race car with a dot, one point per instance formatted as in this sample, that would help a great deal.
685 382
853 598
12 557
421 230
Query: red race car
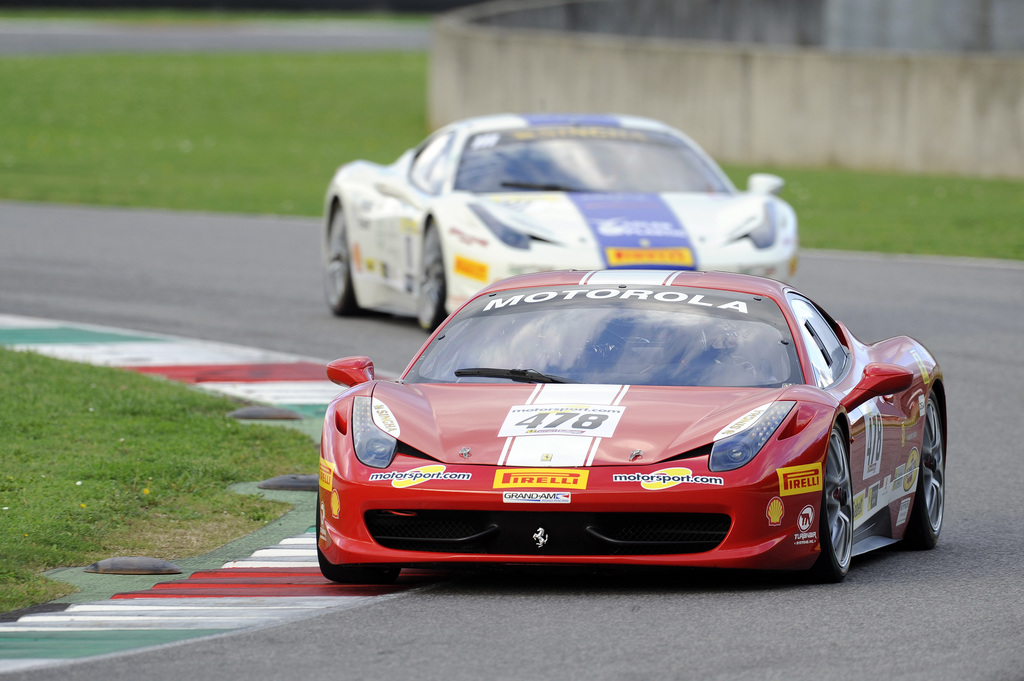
632 417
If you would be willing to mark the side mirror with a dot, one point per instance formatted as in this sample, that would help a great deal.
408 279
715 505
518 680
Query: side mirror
349 371
765 183
879 379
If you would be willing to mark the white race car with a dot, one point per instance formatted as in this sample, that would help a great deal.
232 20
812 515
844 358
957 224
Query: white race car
489 197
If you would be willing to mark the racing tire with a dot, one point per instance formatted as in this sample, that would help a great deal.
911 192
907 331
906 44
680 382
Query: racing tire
925 521
338 290
835 519
430 305
348 574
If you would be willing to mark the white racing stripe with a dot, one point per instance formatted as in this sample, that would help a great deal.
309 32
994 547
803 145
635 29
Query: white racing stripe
558 450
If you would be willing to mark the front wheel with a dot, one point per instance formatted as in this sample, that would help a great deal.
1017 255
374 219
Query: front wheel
835 523
347 574
926 517
338 268
430 307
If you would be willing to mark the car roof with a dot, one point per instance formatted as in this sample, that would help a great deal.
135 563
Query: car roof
479 124
721 281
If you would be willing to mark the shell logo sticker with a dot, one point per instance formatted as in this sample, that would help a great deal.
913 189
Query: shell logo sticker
326 474
774 512
910 476
335 504
384 419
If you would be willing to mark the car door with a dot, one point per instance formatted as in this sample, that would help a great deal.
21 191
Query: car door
399 225
876 426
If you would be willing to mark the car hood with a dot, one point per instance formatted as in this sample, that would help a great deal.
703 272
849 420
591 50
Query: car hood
595 424
616 224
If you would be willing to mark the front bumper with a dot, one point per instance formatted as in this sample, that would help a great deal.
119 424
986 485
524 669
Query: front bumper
614 521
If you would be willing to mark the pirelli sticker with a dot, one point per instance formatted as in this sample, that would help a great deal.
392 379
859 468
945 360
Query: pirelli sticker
618 257
471 268
326 474
540 478
799 479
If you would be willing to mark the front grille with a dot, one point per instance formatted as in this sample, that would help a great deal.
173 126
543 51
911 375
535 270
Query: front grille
566 533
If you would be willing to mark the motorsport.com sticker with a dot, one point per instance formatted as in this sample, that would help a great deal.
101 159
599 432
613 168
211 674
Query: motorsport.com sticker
536 497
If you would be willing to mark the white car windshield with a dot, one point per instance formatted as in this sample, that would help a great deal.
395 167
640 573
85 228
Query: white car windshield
652 336
583 159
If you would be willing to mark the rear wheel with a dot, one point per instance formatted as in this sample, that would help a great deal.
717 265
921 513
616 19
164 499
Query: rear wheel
835 523
346 574
433 287
926 517
338 268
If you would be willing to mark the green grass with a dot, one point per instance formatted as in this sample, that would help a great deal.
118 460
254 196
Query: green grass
891 213
243 133
103 462
263 134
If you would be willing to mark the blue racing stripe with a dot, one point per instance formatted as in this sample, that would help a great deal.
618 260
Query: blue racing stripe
572 120
636 231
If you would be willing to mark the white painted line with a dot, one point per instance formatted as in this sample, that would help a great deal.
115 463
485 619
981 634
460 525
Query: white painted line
199 603
308 538
269 563
285 552
152 353
8 321
276 392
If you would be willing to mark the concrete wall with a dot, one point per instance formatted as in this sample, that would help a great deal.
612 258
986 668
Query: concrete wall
789 22
949 25
932 113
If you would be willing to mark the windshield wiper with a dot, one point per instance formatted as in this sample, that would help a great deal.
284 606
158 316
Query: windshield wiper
521 375
540 186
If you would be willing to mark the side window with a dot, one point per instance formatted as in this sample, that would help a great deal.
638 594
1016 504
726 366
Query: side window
428 168
828 356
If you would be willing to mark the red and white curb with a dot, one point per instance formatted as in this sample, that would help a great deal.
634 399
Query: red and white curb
272 585
238 371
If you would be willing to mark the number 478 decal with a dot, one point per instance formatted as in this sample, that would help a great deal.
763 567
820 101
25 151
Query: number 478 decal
561 419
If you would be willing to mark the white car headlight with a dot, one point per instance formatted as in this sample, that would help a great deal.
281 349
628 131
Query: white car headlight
507 235
739 442
373 446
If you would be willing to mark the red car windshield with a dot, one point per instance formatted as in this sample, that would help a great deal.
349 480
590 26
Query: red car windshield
583 159
652 336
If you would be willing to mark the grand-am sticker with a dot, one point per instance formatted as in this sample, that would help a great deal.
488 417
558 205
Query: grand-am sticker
561 419
668 477
415 476
536 497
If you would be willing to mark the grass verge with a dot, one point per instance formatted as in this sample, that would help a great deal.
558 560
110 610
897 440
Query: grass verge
250 133
104 462
264 133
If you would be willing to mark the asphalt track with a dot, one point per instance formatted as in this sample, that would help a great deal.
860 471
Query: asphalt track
956 612
25 36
